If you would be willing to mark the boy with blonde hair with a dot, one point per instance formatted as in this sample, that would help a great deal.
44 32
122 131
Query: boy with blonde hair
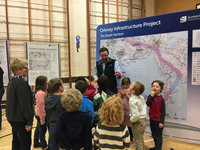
73 129
111 132
138 114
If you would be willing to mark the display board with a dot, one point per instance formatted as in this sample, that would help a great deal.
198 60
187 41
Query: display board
161 48
43 59
4 61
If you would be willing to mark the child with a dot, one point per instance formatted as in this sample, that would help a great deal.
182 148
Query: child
111 132
86 105
73 129
36 142
101 96
53 108
40 114
91 88
125 94
156 104
138 114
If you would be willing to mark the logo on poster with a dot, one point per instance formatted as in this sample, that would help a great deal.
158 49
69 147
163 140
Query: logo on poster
183 19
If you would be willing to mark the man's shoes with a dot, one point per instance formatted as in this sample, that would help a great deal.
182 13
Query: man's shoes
152 148
37 145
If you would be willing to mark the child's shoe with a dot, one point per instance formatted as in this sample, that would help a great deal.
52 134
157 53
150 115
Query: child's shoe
131 142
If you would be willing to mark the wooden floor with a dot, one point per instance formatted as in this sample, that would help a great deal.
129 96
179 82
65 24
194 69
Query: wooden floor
6 139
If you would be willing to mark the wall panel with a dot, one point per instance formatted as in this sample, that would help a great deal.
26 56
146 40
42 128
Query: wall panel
170 6
41 28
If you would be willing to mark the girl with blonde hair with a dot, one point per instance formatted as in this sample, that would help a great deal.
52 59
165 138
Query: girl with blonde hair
111 126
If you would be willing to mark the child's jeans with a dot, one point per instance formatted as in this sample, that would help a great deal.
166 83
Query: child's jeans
42 131
36 135
156 134
53 142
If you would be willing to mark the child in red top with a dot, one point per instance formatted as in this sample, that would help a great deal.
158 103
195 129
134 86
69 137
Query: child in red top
91 88
156 104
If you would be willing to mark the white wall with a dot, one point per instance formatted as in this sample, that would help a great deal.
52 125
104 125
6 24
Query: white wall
78 26
149 8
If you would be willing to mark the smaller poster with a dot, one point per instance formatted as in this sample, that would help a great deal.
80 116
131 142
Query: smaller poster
4 61
43 59
195 68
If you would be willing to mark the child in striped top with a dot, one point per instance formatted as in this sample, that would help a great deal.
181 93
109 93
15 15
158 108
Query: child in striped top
111 132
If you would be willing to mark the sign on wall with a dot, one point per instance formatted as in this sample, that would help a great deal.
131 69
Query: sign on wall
43 59
4 61
160 48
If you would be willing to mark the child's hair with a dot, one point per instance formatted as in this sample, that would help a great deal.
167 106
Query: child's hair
161 84
71 100
80 78
126 80
138 88
112 111
40 83
103 83
81 86
53 86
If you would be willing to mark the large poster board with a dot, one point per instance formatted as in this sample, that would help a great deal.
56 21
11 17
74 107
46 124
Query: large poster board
43 59
160 48
4 61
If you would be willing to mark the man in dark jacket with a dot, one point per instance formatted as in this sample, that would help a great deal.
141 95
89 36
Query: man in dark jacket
1 91
108 67
19 105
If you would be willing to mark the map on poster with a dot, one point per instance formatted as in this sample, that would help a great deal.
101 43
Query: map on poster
40 61
4 61
43 59
156 57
